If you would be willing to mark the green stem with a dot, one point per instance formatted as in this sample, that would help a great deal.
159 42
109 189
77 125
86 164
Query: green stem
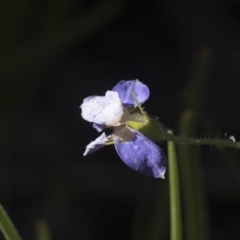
175 202
6 226
201 141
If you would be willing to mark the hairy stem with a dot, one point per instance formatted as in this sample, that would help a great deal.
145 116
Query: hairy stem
201 141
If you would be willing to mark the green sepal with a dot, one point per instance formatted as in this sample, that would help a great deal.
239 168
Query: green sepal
149 126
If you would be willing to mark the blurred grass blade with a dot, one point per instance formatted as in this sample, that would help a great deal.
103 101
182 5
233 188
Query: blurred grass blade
175 201
193 188
7 227
42 230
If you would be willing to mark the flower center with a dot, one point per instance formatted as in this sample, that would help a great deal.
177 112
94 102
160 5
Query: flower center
124 133
122 130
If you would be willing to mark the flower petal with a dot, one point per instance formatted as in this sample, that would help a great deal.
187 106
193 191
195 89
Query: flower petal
99 127
106 109
124 89
96 144
142 155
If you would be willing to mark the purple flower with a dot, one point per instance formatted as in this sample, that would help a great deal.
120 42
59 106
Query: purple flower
116 110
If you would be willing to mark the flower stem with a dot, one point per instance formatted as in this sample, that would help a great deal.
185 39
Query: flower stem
175 202
201 141
6 226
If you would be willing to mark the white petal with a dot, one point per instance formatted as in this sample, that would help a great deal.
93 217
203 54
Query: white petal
96 144
107 109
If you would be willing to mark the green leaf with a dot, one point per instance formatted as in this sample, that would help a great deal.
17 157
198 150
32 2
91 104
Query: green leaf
7 227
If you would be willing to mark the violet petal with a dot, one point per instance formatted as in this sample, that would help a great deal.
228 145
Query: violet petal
96 144
142 155
124 89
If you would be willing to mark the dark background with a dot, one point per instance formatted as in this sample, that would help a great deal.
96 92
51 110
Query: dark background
53 54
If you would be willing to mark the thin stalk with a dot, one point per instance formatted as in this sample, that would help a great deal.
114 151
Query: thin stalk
175 201
201 141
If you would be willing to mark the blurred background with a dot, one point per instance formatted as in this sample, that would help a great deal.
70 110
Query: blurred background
53 54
